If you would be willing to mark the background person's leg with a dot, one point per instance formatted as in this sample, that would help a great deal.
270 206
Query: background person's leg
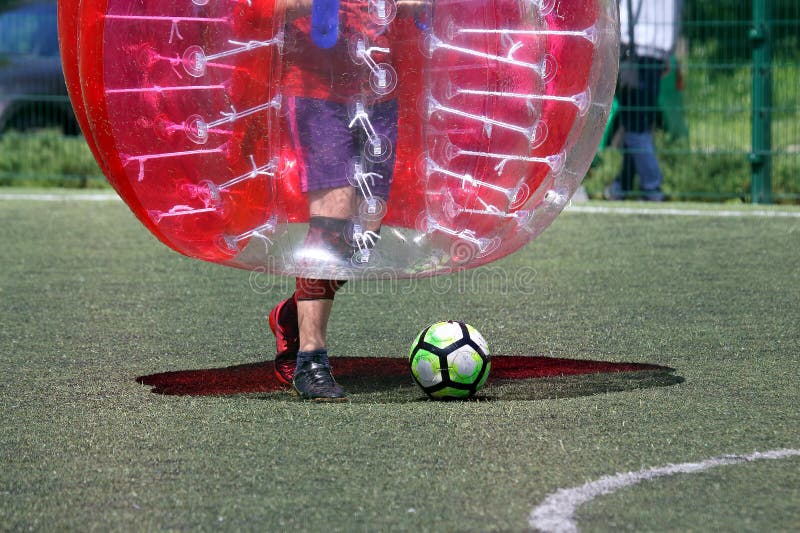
638 157
631 119
622 185
638 109
641 138
642 152
627 172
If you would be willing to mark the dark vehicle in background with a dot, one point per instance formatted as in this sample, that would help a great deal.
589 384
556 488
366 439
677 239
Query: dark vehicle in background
32 90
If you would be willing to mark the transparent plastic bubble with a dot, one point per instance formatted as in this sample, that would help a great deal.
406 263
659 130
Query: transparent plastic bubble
379 149
519 195
411 142
382 12
196 129
372 208
194 61
545 7
383 79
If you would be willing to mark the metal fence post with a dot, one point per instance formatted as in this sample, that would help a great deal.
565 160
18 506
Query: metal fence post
761 121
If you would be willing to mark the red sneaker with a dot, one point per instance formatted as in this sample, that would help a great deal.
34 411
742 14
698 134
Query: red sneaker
283 323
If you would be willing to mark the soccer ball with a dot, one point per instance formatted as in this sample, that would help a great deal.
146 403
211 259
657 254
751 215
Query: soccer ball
450 360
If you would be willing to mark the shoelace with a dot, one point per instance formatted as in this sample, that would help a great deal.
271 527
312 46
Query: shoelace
319 376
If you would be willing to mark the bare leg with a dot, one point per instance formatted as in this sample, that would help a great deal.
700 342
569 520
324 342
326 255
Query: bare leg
312 318
312 376
313 315
337 203
334 203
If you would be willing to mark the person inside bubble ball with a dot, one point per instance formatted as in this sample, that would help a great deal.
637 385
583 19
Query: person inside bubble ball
334 119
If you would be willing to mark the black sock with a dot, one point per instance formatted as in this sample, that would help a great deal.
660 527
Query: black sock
331 224
329 233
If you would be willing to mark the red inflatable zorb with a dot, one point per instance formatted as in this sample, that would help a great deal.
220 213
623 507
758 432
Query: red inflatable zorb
337 138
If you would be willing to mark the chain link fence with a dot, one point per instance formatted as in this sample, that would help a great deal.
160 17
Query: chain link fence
727 123
728 110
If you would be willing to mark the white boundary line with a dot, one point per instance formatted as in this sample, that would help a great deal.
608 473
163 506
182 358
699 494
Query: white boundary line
557 512
573 208
656 211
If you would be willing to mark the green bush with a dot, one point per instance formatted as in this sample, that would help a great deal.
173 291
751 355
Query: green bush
723 26
47 158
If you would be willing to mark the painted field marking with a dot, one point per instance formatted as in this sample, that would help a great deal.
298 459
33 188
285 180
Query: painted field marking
573 208
668 211
557 512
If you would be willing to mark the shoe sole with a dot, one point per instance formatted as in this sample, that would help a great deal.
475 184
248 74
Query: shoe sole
299 396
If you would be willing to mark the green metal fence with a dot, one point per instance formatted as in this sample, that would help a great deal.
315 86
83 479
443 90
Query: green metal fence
731 130
729 125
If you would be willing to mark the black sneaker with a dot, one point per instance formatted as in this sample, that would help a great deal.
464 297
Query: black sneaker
313 381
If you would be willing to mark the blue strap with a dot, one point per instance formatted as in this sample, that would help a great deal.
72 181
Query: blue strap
325 22
423 16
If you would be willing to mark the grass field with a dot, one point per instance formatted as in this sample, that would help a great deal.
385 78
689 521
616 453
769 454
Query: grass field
706 303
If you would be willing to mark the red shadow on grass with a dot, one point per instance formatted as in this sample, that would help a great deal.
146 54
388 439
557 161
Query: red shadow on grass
389 372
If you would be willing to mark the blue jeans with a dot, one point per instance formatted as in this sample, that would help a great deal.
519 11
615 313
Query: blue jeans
639 107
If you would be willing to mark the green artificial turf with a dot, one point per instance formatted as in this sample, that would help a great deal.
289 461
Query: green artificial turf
89 302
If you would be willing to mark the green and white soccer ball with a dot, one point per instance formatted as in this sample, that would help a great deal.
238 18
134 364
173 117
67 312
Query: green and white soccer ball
450 360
